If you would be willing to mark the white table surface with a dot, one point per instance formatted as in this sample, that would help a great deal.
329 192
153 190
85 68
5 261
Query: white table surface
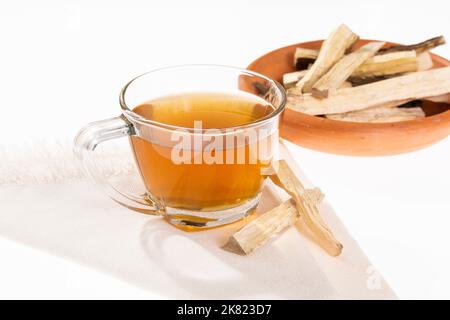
63 64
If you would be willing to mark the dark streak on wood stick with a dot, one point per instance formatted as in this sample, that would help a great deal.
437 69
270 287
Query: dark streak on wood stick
418 47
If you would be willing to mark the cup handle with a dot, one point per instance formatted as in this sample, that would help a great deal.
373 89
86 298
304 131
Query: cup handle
85 144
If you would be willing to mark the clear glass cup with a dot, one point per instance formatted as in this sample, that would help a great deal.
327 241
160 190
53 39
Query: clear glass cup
178 191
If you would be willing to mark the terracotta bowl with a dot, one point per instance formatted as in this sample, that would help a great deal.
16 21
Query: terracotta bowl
351 138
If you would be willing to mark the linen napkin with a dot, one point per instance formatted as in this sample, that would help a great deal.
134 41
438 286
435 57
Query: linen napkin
65 214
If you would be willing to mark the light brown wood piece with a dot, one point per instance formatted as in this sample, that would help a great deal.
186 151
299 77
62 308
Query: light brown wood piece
267 225
388 64
307 208
343 69
392 63
291 78
412 86
263 228
380 114
398 63
331 51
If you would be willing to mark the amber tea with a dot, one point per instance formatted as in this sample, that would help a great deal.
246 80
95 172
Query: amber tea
220 165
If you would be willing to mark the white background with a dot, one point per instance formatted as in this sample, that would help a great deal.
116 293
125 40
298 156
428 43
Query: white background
62 65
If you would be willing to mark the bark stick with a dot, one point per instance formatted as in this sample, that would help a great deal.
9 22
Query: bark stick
331 51
412 86
380 115
342 70
267 225
307 208
418 47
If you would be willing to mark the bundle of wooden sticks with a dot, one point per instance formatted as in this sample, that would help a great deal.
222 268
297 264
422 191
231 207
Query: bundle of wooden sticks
373 83
302 206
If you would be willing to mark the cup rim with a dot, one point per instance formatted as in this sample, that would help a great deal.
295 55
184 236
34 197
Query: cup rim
134 117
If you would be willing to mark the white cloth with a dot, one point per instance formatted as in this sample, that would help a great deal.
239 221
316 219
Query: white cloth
74 220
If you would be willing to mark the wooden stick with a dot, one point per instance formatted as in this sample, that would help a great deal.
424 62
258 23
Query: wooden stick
306 207
331 51
340 72
418 47
392 63
259 231
291 78
412 86
266 226
388 64
380 114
